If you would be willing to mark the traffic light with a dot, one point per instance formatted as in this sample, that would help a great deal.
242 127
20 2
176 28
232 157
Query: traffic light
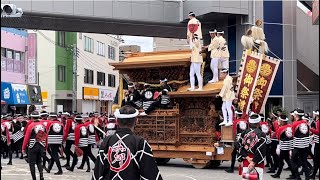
10 10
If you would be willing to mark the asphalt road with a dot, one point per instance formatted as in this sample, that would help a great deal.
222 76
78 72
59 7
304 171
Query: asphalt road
176 169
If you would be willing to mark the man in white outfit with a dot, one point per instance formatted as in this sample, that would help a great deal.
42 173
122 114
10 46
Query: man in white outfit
223 48
227 94
194 27
214 55
196 61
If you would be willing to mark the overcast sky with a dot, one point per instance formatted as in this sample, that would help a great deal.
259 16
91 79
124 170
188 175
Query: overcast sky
146 43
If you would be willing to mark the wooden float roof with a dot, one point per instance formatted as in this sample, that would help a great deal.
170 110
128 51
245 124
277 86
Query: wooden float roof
209 90
154 59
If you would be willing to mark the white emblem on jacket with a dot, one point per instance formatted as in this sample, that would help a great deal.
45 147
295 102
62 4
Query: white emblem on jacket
303 128
91 128
38 128
265 128
148 95
56 127
289 132
83 131
242 125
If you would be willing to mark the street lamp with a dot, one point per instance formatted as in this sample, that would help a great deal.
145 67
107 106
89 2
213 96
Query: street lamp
10 10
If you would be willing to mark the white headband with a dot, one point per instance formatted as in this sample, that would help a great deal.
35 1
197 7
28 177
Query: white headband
164 80
130 86
32 115
274 115
66 113
316 113
256 120
117 114
286 119
52 115
191 14
222 32
215 31
296 112
238 112
41 114
78 118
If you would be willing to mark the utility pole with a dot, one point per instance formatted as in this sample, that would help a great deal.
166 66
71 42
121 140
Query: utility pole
74 87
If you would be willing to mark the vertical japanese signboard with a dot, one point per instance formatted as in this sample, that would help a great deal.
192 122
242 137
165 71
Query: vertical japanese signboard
268 71
249 71
32 50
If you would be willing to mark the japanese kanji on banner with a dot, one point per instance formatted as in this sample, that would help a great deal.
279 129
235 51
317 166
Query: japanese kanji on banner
268 71
248 72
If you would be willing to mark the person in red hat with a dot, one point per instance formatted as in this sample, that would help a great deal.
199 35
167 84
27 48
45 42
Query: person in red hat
36 141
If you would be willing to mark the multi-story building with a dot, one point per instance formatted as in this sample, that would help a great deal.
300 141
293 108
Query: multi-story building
55 63
166 44
18 71
97 82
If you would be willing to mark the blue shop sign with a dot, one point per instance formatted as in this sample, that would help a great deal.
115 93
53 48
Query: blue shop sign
14 93
6 93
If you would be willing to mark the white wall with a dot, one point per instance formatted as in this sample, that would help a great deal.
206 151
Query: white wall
46 65
95 62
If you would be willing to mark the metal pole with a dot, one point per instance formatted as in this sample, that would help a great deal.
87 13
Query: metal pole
74 87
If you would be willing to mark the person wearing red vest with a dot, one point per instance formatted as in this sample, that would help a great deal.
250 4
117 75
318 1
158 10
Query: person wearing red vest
55 136
315 132
252 147
97 121
68 137
36 141
92 139
80 141
239 126
301 141
284 135
44 119
10 129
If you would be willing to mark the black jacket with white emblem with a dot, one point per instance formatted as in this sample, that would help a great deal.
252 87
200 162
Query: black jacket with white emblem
125 156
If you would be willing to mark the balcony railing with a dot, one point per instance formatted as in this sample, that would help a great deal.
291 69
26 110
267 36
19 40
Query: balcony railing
12 65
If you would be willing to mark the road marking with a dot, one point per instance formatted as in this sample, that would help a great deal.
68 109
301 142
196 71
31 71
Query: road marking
190 177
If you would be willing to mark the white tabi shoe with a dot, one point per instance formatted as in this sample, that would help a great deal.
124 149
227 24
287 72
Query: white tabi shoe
199 89
228 124
143 114
190 89
211 81
222 124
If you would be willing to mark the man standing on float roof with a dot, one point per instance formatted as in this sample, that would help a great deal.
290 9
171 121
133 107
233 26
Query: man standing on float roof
194 27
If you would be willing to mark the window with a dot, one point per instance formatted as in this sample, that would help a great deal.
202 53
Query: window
17 55
88 44
101 79
88 76
62 39
101 49
9 53
4 52
61 73
111 53
111 80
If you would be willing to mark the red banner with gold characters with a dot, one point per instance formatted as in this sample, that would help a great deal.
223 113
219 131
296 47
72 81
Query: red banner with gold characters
268 71
249 71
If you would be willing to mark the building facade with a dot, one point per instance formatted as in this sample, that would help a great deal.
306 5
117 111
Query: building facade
166 44
55 63
97 82
19 87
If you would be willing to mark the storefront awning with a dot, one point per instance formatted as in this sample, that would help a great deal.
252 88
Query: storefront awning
14 94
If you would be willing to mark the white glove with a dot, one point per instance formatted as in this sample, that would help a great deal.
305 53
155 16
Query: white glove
278 150
22 128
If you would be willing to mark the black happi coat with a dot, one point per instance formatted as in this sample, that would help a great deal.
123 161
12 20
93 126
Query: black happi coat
256 146
125 156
